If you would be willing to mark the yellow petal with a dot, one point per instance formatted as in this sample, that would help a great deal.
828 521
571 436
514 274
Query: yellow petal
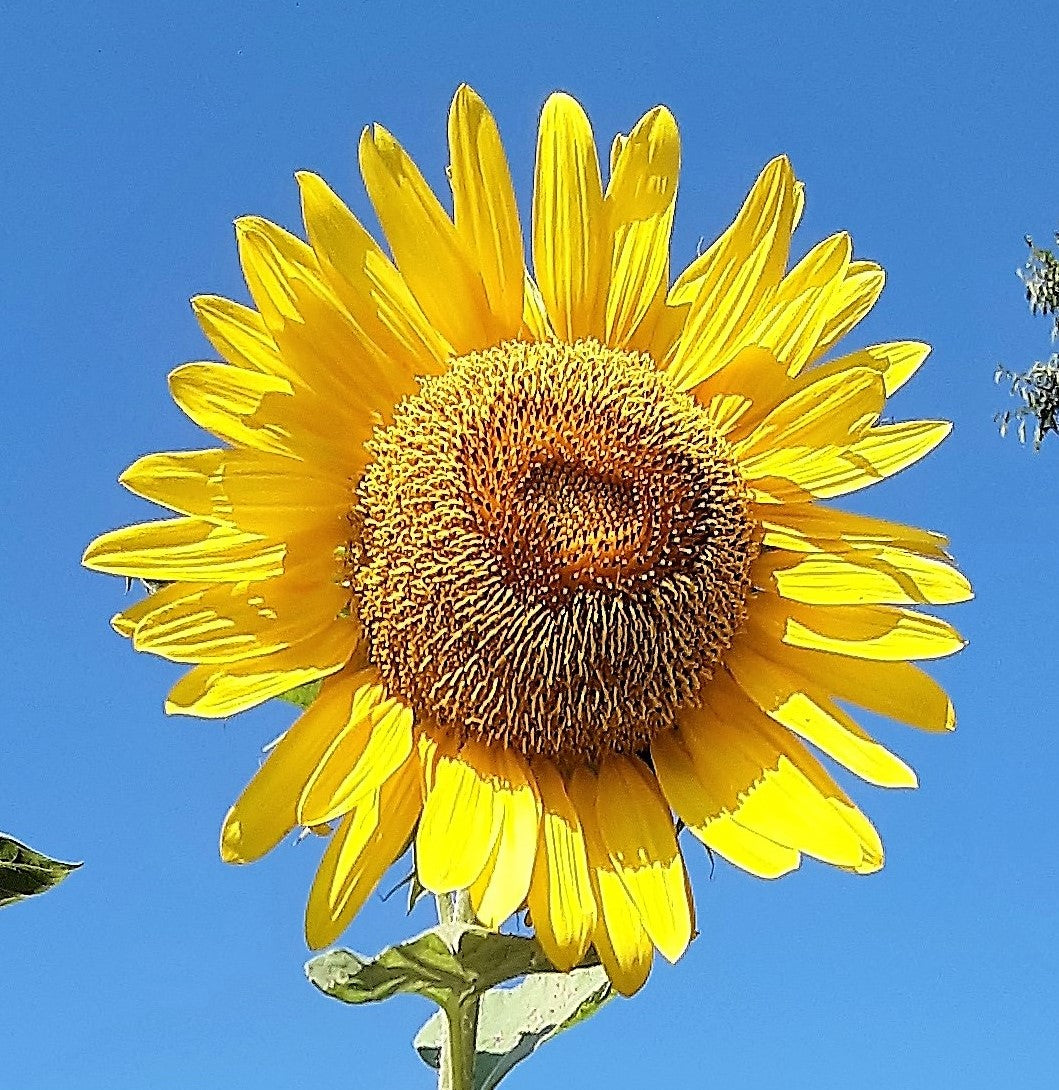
502 886
363 848
628 973
536 325
484 208
703 812
749 851
888 449
367 283
791 323
326 350
883 633
808 527
729 283
898 690
265 812
797 473
432 256
461 817
738 396
226 400
279 270
760 788
824 412
900 360
849 302
185 548
262 412
239 334
257 492
639 206
560 896
771 784
374 742
802 705
896 362
125 622
637 829
624 947
214 691
571 248
226 622
799 204
666 331
883 576
763 216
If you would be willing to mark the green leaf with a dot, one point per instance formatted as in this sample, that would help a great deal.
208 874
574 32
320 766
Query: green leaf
25 872
449 964
303 695
460 967
514 1022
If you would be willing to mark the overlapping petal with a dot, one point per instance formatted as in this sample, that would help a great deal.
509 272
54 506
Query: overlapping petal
186 548
561 901
434 258
571 252
266 811
361 850
218 690
638 208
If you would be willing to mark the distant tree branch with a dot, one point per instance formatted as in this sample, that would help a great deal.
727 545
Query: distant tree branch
1038 387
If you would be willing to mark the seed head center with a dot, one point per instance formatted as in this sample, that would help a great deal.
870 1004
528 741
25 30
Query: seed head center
554 549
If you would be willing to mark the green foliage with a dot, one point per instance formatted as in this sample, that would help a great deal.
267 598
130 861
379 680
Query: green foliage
463 969
303 695
514 1022
1038 387
25 872
1041 277
450 961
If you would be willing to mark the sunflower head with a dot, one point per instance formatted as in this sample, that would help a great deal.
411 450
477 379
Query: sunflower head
555 549
552 542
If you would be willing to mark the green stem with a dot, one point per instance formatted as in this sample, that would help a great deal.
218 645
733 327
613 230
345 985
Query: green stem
444 903
456 1071
457 1057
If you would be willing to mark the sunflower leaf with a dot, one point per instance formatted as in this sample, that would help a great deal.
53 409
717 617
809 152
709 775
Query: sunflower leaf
25 872
449 964
456 964
514 1022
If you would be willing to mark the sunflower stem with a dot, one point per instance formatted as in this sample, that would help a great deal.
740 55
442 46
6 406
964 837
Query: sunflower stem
444 903
457 1057
456 1069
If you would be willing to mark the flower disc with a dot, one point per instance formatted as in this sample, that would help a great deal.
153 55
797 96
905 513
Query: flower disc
555 549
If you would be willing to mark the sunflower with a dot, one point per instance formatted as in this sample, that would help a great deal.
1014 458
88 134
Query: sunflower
551 543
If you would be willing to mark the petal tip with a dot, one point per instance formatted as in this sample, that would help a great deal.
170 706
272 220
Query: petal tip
675 947
231 838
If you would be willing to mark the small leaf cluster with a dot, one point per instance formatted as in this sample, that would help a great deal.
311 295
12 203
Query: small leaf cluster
1041 277
1038 387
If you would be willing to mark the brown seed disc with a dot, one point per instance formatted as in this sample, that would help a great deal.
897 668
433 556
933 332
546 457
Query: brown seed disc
554 549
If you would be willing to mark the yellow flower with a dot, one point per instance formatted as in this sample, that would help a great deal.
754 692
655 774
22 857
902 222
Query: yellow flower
551 543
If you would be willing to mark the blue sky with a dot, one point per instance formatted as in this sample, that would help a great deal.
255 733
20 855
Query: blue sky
130 137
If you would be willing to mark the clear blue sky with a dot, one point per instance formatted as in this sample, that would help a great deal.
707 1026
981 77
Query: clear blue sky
130 137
